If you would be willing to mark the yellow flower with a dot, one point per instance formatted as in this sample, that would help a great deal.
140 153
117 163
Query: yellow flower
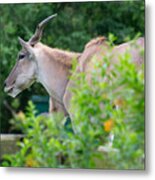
30 162
108 125
119 102
21 115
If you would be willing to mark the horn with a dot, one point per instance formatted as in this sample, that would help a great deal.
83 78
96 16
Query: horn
38 33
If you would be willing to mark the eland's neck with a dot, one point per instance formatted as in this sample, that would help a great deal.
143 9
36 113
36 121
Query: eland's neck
54 69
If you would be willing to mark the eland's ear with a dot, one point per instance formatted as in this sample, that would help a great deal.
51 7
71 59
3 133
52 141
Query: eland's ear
26 46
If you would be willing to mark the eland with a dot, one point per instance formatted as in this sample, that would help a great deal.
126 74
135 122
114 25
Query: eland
52 67
37 62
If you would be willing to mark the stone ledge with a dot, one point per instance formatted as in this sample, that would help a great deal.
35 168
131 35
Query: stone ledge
8 143
11 137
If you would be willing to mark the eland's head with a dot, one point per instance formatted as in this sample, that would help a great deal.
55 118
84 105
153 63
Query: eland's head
24 73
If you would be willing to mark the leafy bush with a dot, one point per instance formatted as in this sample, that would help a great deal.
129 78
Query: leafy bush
47 143
108 124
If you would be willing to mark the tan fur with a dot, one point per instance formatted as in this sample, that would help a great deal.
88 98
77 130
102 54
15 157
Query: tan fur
61 56
97 41
57 64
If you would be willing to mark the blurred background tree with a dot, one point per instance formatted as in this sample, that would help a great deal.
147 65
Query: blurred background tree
74 26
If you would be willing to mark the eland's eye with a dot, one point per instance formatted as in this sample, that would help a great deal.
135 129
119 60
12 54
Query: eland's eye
21 56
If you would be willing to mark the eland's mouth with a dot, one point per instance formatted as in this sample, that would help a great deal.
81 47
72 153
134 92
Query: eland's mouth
12 91
8 89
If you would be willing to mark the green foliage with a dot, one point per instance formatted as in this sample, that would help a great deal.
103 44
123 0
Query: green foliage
74 26
108 123
48 144
114 107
